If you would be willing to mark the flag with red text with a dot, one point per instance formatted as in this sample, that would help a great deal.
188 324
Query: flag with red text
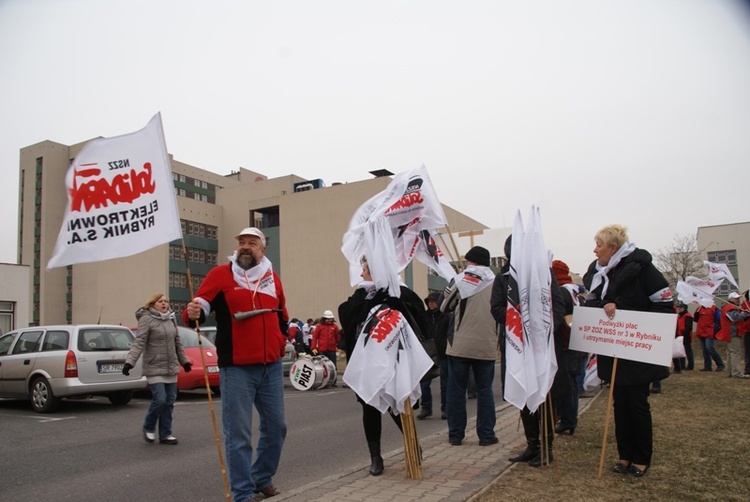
388 361
393 227
515 370
121 199
697 290
718 271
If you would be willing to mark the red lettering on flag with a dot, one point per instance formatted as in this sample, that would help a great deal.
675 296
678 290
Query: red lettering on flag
96 193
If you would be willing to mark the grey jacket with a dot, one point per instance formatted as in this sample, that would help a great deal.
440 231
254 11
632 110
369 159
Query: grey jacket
475 333
157 339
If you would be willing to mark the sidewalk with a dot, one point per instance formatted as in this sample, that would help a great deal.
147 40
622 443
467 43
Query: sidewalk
449 473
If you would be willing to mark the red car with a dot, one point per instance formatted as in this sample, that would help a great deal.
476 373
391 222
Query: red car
195 379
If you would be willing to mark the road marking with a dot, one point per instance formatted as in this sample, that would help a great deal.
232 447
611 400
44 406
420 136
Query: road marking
38 418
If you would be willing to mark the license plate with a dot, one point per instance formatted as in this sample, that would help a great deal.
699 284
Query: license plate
111 368
212 369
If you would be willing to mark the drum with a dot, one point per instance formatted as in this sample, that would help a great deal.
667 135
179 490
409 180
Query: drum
310 373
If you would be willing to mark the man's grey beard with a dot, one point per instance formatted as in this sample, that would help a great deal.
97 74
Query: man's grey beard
246 261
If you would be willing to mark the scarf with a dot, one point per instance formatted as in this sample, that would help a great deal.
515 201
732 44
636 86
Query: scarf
258 279
473 280
603 270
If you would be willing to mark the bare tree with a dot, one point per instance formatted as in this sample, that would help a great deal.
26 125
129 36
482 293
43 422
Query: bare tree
680 259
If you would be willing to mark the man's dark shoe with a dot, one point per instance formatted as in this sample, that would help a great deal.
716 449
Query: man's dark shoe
455 442
525 456
488 442
269 491
706 369
538 461
720 368
168 440
424 414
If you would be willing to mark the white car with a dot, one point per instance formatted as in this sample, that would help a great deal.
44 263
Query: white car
47 363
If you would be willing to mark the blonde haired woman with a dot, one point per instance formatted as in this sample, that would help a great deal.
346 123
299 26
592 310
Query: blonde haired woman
159 343
623 278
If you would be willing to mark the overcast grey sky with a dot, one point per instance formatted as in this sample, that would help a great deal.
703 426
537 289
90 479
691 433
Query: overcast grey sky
633 111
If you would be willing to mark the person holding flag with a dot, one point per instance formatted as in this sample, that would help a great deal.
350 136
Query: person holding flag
533 425
624 277
707 324
251 318
732 328
383 320
359 316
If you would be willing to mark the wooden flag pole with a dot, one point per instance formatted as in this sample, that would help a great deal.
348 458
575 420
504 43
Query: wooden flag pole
552 431
227 491
412 456
459 264
606 422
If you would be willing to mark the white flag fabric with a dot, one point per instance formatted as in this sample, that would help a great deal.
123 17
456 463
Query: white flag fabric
591 380
697 290
121 199
718 271
388 361
530 351
515 346
538 315
397 218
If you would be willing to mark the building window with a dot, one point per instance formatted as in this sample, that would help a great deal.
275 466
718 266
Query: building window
197 183
7 309
204 185
182 178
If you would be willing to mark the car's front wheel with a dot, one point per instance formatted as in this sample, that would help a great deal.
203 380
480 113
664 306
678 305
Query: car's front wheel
121 397
42 398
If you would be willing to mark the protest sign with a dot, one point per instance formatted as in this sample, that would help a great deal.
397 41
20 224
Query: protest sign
637 336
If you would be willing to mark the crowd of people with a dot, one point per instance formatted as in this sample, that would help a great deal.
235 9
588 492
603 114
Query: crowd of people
467 323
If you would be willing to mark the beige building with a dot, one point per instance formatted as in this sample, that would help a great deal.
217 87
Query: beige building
728 244
15 283
303 219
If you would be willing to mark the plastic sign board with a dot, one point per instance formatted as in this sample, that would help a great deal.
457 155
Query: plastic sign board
637 336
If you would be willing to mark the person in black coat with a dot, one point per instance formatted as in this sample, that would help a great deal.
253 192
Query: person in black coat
437 329
353 313
533 427
624 277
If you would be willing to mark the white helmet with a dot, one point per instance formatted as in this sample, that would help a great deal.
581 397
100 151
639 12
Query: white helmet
327 314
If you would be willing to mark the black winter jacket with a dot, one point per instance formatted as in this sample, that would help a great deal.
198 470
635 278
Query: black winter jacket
634 284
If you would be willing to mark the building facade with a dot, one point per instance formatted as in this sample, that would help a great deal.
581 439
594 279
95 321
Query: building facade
303 219
728 244
15 283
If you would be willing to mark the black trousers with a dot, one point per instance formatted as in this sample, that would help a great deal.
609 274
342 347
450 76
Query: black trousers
633 427
373 423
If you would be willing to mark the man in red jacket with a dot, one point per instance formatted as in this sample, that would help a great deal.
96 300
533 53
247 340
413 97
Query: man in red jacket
731 318
326 337
248 300
706 322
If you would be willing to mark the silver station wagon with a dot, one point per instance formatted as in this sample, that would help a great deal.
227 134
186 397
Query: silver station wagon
47 363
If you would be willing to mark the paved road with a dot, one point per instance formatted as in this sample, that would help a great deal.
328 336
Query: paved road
92 450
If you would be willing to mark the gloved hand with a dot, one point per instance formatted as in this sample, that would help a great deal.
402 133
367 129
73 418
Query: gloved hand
126 369
315 352
187 367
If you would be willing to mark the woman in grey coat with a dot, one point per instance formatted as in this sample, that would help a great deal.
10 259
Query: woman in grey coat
159 343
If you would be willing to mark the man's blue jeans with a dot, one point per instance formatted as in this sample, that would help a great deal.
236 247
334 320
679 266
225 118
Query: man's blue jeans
241 388
163 396
710 352
458 381
426 401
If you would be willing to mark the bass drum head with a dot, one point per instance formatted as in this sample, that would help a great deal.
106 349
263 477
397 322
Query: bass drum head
306 374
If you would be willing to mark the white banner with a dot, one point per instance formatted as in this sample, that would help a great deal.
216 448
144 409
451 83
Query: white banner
389 229
637 336
121 199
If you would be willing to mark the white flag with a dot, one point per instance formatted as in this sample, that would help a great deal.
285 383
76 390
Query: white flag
388 361
515 343
120 199
697 290
718 271
407 207
591 379
538 316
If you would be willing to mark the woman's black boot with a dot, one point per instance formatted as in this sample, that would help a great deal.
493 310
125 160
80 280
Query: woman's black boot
376 468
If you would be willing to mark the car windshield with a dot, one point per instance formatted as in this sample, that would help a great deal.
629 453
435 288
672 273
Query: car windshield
98 339
189 339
